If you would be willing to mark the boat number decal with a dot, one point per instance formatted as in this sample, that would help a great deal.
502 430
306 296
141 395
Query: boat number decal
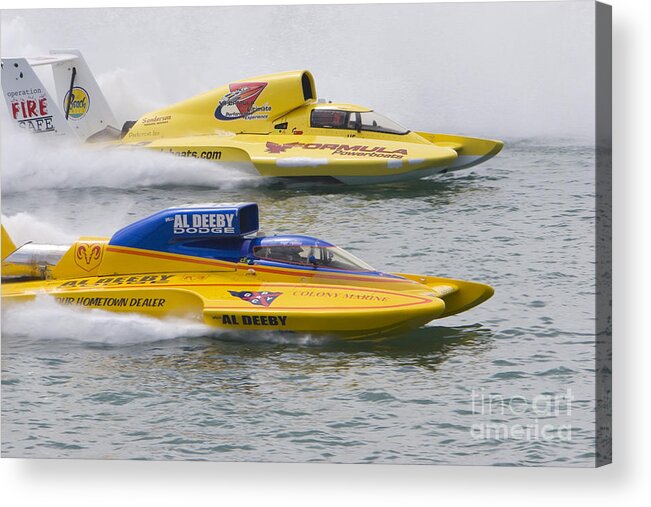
357 150
253 320
263 298
79 103
88 256
240 103
97 302
118 280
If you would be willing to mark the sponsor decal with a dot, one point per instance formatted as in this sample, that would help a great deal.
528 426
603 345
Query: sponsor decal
118 280
149 133
203 223
253 320
88 256
279 148
208 155
194 278
263 298
357 150
79 103
30 109
101 302
240 103
156 120
310 293
22 93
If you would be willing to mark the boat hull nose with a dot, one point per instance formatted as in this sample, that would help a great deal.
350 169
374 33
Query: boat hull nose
458 295
471 151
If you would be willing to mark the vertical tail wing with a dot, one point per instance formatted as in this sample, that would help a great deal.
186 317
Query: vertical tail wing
80 106
29 103
8 246
80 98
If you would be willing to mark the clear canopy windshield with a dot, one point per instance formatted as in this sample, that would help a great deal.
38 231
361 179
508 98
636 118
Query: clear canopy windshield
317 256
369 121
377 123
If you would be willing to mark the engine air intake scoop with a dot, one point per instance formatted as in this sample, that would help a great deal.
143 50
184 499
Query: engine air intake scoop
171 228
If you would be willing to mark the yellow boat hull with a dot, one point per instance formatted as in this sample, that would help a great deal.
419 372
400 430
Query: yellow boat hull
277 131
329 157
337 308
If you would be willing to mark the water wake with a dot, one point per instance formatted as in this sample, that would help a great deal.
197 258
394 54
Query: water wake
31 162
45 319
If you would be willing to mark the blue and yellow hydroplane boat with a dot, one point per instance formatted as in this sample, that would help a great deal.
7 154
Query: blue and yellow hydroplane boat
211 263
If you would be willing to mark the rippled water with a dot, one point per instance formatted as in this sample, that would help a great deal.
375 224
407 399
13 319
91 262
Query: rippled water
490 386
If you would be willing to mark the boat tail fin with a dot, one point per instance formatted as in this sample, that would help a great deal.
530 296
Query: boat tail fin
80 97
8 246
458 295
28 101
80 106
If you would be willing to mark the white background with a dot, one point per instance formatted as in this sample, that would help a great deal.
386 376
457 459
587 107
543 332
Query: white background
626 482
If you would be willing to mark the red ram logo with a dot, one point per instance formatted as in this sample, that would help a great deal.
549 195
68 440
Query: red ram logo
88 255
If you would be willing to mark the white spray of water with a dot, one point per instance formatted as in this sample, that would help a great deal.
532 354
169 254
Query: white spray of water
23 227
43 318
34 162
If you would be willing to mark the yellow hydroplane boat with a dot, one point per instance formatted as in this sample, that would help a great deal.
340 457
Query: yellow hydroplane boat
211 263
274 123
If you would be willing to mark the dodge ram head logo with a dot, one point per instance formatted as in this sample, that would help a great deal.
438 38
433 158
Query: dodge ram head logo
263 298
88 255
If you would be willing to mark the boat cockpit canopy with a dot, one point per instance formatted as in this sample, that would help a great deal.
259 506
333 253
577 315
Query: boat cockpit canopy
306 251
369 121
